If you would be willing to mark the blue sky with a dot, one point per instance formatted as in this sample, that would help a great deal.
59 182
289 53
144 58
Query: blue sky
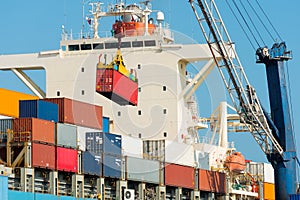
34 25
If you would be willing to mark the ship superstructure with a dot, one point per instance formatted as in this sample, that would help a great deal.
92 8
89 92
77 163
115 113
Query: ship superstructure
156 117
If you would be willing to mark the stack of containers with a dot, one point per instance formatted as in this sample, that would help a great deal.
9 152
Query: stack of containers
75 118
104 155
37 125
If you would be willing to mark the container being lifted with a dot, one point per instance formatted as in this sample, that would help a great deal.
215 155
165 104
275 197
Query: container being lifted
116 83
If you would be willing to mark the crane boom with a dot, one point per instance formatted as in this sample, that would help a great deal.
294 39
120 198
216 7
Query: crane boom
240 91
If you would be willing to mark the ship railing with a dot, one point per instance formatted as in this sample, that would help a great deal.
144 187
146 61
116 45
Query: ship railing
164 32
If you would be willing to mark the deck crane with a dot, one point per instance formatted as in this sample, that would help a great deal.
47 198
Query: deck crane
275 138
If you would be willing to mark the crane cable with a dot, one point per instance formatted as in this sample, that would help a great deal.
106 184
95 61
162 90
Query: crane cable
269 20
259 18
253 24
245 21
251 43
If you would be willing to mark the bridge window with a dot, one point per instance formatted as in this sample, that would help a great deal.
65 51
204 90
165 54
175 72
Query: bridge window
111 45
150 43
137 44
98 46
86 46
125 45
74 47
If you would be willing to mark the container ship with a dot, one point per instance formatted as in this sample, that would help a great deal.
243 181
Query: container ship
119 120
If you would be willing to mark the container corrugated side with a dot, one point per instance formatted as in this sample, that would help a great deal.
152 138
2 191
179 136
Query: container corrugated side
132 147
43 156
142 170
6 124
295 197
38 109
92 164
81 136
33 129
112 144
112 166
269 191
212 181
105 123
9 102
67 159
94 142
179 176
66 135
78 113
3 187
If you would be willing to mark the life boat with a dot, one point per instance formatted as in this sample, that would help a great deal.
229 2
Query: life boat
116 83
235 162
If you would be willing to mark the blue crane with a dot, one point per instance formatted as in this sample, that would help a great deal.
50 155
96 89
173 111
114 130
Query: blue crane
273 134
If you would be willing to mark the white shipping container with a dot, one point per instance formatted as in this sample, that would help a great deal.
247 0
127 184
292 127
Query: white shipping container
132 147
66 135
81 136
179 153
262 171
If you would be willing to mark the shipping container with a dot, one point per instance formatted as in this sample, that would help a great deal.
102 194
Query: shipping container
295 197
112 144
112 166
16 195
81 136
9 102
67 159
105 123
269 191
33 129
66 135
262 171
117 87
108 143
3 187
94 142
5 125
212 181
132 147
179 176
38 109
92 164
78 113
43 156
142 170
154 150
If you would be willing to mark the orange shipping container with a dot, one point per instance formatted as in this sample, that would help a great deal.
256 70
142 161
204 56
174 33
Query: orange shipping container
179 176
212 181
33 129
269 191
78 113
43 156
9 102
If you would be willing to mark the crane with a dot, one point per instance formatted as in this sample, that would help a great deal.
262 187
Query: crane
276 143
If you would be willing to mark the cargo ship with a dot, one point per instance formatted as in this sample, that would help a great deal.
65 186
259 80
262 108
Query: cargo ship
119 120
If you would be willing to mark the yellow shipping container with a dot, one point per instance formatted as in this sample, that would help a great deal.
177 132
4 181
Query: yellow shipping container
269 191
9 102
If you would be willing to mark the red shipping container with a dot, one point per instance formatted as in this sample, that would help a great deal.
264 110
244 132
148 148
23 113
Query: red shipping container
212 181
43 156
78 113
117 87
33 129
66 159
179 176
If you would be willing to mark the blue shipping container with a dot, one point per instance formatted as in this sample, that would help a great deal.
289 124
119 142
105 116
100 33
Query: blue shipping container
3 187
112 166
112 144
13 195
97 143
295 197
6 124
105 124
92 164
38 109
